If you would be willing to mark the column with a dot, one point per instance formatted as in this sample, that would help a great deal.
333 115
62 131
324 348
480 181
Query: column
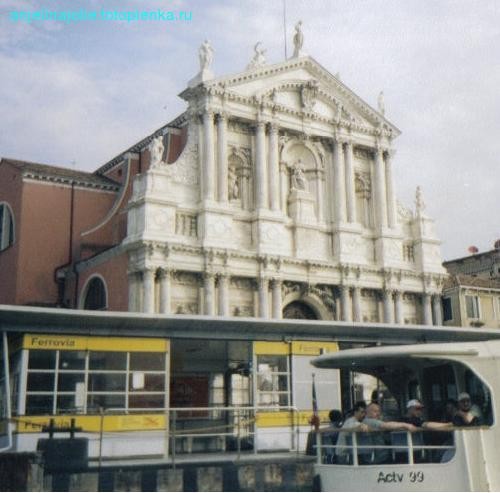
427 310
283 186
260 166
164 291
208 155
380 196
263 297
345 304
274 171
319 185
148 286
209 291
437 310
388 306
277 300
389 184
339 182
223 285
349 184
133 292
356 304
398 307
222 157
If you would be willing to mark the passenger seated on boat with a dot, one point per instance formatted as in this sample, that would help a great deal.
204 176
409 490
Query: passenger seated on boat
351 424
329 438
465 415
377 454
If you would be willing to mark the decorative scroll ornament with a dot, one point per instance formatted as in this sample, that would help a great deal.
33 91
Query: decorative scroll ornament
308 94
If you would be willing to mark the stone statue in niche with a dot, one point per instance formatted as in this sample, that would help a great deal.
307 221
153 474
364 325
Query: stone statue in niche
308 94
299 180
156 149
206 54
298 40
259 58
233 187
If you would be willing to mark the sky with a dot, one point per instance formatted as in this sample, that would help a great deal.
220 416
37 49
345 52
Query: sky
77 94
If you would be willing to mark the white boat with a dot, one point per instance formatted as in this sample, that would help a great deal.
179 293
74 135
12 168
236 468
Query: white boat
463 459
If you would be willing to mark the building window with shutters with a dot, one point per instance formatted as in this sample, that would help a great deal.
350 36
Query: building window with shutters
6 226
472 306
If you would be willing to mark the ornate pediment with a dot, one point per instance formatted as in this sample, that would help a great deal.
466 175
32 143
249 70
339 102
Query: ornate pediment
299 86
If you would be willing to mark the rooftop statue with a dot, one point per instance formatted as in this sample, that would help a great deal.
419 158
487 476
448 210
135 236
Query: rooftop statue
419 202
156 149
206 55
259 58
381 103
298 40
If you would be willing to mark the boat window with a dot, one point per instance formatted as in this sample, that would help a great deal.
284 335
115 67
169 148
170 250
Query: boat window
480 398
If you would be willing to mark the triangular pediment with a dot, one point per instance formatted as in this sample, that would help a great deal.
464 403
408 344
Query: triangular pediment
301 85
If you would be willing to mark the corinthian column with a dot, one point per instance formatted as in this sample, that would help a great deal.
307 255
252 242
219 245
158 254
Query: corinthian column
349 184
209 291
388 306
223 284
222 157
345 304
398 307
260 165
264 297
133 292
427 310
436 309
277 301
148 286
164 291
356 304
274 171
380 196
339 182
389 183
208 155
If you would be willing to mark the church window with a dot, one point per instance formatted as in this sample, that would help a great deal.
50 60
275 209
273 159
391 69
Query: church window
6 226
408 252
363 200
95 295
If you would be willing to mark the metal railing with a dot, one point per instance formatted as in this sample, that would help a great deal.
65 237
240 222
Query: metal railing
347 447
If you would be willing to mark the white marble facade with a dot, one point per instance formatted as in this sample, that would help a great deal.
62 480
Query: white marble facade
282 201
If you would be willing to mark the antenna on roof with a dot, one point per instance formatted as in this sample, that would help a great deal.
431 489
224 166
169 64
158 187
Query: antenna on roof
284 27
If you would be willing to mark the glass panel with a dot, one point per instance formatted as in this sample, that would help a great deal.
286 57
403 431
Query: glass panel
147 361
66 382
272 363
38 382
39 404
72 360
106 401
106 382
66 404
153 382
144 400
41 360
108 360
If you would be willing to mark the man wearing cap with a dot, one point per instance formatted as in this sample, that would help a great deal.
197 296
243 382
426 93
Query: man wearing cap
464 415
414 416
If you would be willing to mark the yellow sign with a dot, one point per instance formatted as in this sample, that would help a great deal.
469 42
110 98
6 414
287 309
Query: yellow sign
313 348
89 343
266 347
272 419
94 423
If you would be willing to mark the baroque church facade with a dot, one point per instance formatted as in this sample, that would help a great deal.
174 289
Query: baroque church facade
271 196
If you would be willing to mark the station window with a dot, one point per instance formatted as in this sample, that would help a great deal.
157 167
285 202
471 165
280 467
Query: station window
61 382
95 295
472 306
6 227
273 380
